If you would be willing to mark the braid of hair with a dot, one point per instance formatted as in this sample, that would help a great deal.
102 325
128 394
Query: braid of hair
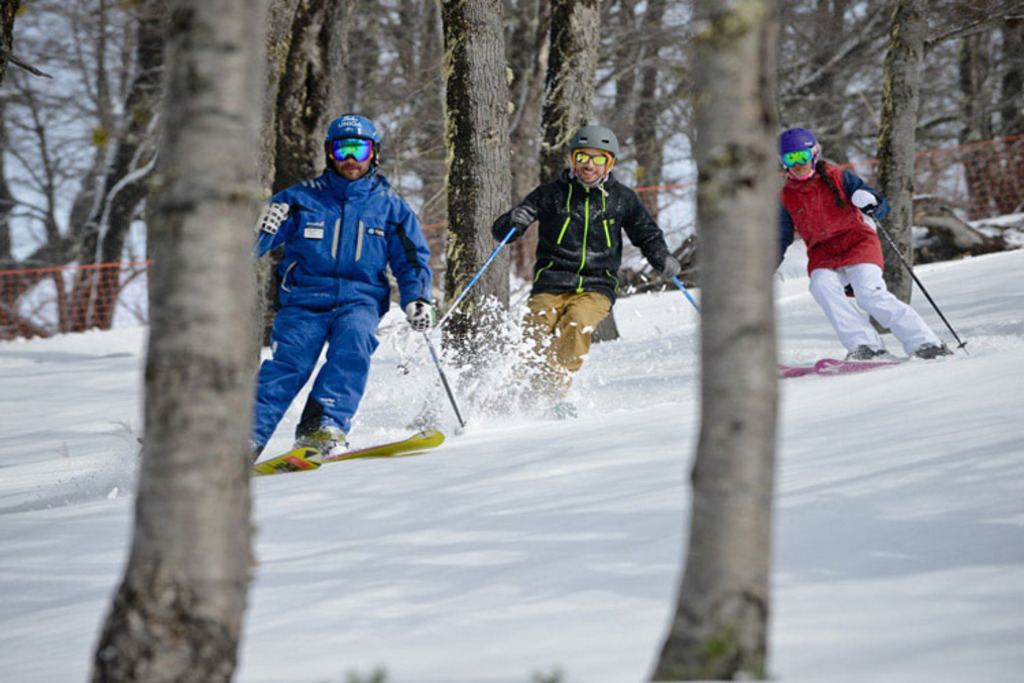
823 172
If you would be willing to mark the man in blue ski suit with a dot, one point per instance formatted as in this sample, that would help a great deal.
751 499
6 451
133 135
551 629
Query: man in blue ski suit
340 232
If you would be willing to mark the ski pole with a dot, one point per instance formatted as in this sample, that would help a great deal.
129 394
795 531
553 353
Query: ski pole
404 366
444 380
683 289
895 249
458 300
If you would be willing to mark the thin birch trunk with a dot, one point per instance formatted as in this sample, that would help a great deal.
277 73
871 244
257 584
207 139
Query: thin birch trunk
177 615
720 627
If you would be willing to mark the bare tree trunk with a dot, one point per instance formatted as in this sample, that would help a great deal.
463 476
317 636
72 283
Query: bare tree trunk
896 140
528 56
648 147
625 55
1012 109
831 85
528 90
124 179
306 84
976 121
339 57
430 149
278 40
177 614
720 627
8 10
304 91
572 68
478 157
1011 196
6 207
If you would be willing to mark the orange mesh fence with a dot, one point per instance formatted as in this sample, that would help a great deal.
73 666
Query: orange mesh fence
978 180
40 302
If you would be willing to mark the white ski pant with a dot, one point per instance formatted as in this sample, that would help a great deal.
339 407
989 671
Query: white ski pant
851 326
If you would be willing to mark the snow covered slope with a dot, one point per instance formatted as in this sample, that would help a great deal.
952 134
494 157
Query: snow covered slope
523 545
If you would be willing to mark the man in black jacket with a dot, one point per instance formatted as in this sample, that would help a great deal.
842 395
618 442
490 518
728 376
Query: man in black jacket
581 216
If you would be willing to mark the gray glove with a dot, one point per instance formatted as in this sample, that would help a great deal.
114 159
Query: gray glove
420 315
671 267
271 217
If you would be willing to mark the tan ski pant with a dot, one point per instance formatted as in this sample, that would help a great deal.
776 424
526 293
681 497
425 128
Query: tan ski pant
560 327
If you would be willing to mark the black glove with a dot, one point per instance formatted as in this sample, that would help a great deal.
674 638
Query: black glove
670 268
519 218
516 231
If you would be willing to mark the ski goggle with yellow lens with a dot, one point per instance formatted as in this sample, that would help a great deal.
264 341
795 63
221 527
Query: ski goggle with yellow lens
799 156
359 149
598 159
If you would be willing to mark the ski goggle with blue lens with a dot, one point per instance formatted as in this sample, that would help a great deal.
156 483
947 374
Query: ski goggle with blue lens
799 156
359 149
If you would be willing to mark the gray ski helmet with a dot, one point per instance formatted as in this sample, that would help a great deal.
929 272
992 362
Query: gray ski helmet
596 137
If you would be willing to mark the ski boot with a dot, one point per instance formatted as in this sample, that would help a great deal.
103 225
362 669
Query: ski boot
327 440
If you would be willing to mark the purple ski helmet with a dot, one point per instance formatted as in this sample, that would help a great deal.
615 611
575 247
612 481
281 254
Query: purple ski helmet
795 139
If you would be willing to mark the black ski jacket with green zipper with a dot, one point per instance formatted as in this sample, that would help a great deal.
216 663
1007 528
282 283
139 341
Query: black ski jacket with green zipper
572 215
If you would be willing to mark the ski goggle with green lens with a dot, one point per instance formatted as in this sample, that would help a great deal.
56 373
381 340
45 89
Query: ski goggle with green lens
359 149
598 159
799 156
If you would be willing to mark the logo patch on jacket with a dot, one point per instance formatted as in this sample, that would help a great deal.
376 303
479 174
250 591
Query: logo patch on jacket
313 231
375 232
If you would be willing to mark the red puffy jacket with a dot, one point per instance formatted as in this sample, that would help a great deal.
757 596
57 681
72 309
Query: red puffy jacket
835 236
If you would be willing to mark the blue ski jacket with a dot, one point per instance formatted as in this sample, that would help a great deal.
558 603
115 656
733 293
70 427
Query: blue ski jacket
339 238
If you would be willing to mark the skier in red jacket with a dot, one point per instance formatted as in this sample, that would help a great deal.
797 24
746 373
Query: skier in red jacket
826 206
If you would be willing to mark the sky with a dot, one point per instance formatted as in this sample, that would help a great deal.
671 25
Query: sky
526 546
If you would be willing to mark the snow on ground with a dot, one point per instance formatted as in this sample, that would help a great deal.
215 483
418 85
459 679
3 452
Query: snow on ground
524 545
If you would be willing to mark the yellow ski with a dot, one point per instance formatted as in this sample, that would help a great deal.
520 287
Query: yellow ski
302 459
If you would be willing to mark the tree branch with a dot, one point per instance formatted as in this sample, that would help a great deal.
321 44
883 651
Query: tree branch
11 59
1013 12
869 32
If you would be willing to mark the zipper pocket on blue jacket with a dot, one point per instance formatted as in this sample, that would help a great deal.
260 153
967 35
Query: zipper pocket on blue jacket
284 278
359 241
336 239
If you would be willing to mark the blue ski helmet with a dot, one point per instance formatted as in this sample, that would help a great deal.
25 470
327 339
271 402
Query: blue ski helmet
796 139
352 126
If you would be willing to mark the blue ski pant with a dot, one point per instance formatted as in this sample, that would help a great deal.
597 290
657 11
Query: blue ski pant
297 338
